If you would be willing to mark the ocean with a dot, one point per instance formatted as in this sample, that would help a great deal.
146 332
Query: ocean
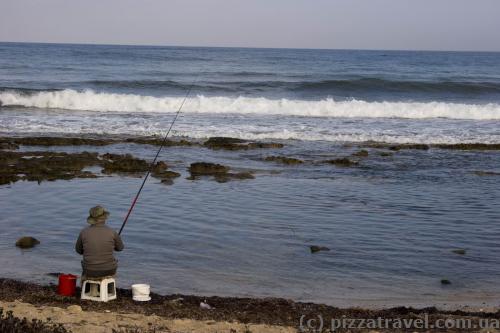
391 222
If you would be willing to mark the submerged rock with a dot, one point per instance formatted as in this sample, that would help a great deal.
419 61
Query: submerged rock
469 146
48 141
395 147
459 251
114 163
220 172
223 178
50 166
160 171
157 141
228 143
44 166
361 153
445 282
316 248
7 179
385 154
419 146
27 242
59 141
207 169
486 173
8 146
283 160
343 162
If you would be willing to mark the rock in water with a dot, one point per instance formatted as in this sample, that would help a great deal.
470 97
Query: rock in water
27 242
459 251
343 162
207 169
315 248
361 153
283 160
445 282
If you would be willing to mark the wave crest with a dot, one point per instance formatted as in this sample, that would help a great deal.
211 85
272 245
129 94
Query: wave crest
106 102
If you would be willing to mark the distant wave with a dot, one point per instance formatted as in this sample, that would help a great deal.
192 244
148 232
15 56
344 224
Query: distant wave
255 83
345 87
102 102
377 85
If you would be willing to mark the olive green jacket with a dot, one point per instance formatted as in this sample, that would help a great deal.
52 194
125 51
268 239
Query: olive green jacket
96 243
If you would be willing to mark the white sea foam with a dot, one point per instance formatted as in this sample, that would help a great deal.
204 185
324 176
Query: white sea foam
102 102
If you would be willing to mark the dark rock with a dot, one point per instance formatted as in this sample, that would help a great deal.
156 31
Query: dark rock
167 181
469 146
283 160
223 178
395 147
385 154
160 171
50 166
237 144
265 145
242 175
60 141
44 166
160 167
343 162
207 169
7 179
361 153
445 282
27 242
409 146
114 163
459 251
102 141
157 141
6 145
486 173
220 172
316 248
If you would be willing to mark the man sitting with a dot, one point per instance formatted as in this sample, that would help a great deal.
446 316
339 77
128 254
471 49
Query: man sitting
96 243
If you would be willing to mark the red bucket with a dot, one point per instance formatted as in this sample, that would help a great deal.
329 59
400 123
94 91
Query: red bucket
67 284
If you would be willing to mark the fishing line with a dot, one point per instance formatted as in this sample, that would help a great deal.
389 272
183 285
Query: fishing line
156 156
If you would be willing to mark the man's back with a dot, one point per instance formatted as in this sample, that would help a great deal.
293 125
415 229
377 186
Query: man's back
97 243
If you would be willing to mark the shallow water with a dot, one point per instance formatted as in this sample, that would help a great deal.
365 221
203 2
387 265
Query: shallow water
391 225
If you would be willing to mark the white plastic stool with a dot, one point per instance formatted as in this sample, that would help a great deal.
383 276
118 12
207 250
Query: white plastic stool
99 290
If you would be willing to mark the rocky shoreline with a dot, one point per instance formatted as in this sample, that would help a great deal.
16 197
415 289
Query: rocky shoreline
41 165
266 311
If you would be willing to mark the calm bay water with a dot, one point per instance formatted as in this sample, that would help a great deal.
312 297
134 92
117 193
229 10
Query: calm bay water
391 223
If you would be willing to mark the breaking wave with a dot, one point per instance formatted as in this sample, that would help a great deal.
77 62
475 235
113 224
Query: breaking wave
111 102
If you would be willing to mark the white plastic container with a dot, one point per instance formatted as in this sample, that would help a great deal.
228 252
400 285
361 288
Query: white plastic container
140 292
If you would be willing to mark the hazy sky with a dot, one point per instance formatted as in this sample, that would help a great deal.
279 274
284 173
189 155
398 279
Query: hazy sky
351 24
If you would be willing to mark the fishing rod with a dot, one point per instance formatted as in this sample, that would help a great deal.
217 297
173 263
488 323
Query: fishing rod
156 156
